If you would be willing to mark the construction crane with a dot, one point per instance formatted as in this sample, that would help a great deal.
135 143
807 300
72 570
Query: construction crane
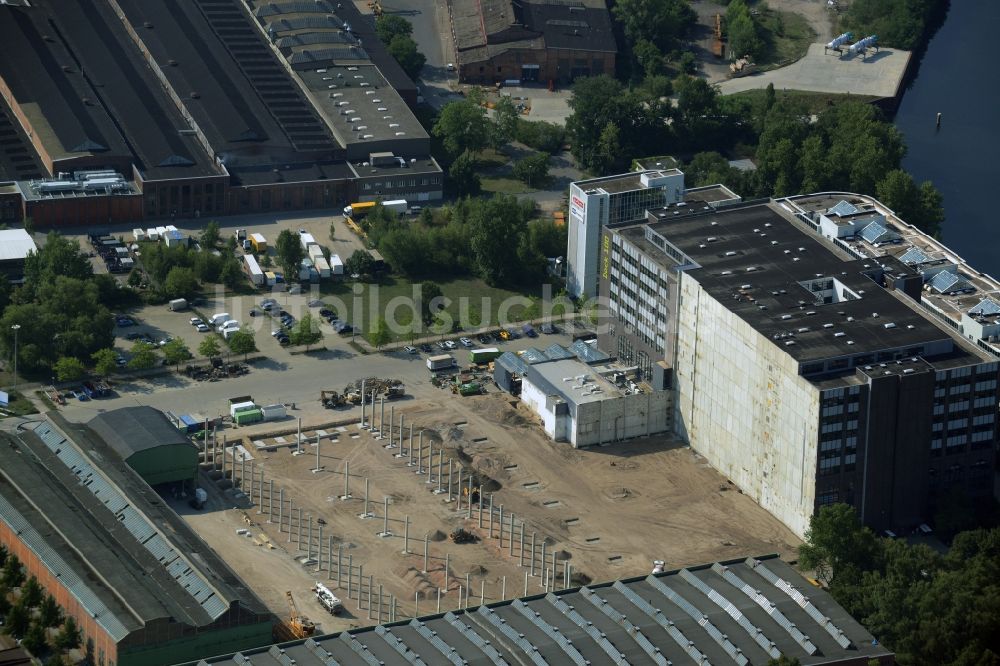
300 625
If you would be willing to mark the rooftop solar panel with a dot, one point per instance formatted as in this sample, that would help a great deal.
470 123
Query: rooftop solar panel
987 306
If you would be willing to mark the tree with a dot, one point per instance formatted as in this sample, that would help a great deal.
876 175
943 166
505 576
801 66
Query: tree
359 263
210 236
143 356
661 22
243 342
404 50
290 253
181 283
49 613
69 369
388 26
463 177
176 352
35 639
505 119
649 57
68 637
16 621
59 256
495 231
462 126
231 273
209 347
13 573
899 23
541 135
548 238
532 169
430 295
380 335
105 361
838 545
741 30
4 554
31 592
306 332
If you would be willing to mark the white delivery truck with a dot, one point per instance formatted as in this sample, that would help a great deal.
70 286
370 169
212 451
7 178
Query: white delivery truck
397 206
218 318
178 304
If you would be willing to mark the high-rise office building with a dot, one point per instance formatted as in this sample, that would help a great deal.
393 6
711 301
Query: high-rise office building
811 367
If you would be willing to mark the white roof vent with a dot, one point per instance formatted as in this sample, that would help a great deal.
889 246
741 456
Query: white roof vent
365 84
839 334
400 133
889 325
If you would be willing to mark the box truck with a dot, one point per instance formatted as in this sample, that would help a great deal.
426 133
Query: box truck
178 304
440 362
253 270
258 242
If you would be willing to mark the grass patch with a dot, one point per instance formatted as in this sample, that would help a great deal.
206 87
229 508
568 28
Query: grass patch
45 399
490 158
505 185
786 36
18 406
814 102
473 304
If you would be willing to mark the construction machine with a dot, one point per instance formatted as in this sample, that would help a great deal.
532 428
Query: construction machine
301 626
331 399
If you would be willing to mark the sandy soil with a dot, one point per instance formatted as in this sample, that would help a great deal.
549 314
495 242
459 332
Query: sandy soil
608 512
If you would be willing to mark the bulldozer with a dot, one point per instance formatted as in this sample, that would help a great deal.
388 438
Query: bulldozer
331 399
300 625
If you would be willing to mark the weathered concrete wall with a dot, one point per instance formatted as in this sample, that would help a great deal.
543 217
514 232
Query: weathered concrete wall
742 405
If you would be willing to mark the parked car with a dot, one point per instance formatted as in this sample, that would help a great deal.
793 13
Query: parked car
316 303
548 329
195 321
529 331
125 322
485 339
410 350
466 342
450 344
203 328
164 341
254 312
426 348
121 361
327 313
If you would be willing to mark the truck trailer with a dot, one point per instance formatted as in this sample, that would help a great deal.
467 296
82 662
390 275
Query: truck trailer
253 270
440 362
483 355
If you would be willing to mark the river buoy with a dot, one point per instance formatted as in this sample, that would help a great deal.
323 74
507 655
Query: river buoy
939 120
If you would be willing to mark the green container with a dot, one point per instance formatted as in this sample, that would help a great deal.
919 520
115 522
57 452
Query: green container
472 388
249 416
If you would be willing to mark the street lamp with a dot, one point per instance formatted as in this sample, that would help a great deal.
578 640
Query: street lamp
15 328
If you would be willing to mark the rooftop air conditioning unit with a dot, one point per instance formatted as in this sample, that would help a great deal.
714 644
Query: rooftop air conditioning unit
400 133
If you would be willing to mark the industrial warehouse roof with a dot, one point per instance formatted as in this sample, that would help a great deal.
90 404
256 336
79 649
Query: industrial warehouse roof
737 612
132 429
126 558
15 244
762 265
77 63
572 380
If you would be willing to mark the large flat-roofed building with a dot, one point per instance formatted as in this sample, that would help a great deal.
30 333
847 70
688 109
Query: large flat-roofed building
532 40
743 611
806 373
149 443
144 589
206 108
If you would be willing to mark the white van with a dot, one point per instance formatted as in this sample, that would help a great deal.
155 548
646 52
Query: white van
218 318
229 325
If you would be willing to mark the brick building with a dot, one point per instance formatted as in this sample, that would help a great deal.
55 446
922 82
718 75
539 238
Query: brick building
142 586
532 40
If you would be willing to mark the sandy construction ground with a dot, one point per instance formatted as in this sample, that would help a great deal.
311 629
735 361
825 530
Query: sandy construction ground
607 512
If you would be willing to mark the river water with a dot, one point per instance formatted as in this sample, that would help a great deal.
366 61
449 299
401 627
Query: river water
958 78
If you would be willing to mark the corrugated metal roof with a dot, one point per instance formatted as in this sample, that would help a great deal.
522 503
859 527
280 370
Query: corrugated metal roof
137 524
636 621
35 542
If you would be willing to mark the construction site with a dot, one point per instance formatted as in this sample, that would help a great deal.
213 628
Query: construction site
432 505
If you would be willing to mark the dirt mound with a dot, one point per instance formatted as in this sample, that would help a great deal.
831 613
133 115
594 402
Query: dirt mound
438 535
415 580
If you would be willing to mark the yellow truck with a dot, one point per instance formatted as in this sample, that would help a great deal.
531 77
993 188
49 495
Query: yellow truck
259 243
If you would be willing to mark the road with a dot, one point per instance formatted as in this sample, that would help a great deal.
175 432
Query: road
432 33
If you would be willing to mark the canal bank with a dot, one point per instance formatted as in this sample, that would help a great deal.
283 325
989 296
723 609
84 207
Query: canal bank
953 77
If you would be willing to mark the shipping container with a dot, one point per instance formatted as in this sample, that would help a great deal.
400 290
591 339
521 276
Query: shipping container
483 355
306 240
138 235
336 265
322 267
273 412
240 407
249 416
440 362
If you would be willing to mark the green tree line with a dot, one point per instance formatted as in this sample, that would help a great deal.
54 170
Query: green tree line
928 607
489 238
